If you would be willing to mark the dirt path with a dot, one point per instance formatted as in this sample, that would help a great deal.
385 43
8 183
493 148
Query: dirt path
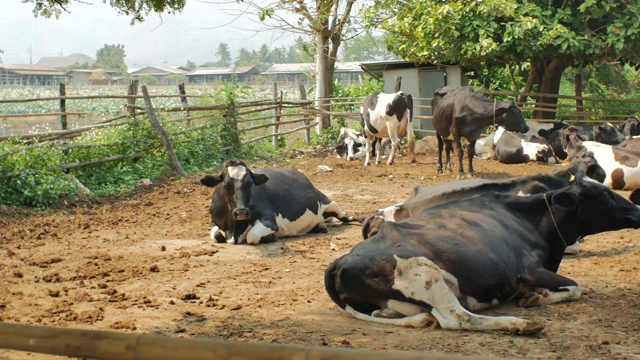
146 264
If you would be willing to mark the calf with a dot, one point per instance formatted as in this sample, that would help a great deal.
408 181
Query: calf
514 148
388 115
351 144
425 197
622 166
465 112
447 262
261 205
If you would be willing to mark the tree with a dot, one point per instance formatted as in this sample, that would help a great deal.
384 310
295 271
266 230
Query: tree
223 54
190 65
551 35
111 57
366 47
137 10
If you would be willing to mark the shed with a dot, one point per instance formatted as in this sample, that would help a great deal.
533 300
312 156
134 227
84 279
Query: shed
304 73
244 74
418 79
166 75
27 74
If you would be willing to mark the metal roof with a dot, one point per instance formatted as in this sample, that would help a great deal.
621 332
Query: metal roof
28 69
296 68
224 70
58 62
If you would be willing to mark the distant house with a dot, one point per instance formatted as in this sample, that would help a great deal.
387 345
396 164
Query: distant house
305 73
81 76
164 74
27 74
59 62
244 74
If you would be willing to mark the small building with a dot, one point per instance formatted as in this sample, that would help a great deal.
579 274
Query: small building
59 62
81 76
100 77
166 75
305 73
27 74
420 80
206 75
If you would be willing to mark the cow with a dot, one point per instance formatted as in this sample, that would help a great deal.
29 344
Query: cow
630 127
515 148
622 166
424 197
388 115
351 144
261 205
446 263
604 133
465 113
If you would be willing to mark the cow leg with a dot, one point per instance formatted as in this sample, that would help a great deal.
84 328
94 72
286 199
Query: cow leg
448 147
332 210
263 231
411 141
440 148
218 235
320 228
393 135
542 287
460 152
471 152
378 149
367 150
422 280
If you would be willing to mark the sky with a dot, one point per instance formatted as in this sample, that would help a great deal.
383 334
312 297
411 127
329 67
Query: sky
163 40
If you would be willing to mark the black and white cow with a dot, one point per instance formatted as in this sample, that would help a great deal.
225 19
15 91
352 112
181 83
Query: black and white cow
464 112
424 197
516 148
447 262
630 127
351 144
604 133
388 115
261 205
622 166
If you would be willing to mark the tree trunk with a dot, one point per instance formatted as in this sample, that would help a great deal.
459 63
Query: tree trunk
324 81
549 76
579 104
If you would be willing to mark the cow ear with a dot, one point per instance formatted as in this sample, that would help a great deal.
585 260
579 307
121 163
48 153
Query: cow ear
211 180
565 199
259 179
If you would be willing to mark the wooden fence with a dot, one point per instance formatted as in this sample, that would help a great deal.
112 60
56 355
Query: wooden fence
254 119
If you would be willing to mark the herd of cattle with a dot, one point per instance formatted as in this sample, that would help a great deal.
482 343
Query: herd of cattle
459 247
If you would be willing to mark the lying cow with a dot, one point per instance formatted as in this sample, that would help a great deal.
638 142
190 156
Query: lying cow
424 197
464 112
445 263
388 115
261 205
622 166
604 133
515 148
351 145
630 127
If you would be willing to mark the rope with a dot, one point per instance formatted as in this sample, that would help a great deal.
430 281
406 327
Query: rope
554 220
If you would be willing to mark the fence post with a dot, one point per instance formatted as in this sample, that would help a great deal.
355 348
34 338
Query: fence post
276 116
398 83
183 99
307 131
163 135
579 104
131 101
63 107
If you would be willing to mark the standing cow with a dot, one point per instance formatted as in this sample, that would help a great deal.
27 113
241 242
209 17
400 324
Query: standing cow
446 263
261 205
388 115
463 112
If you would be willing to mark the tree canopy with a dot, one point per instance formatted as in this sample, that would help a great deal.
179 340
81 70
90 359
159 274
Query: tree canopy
137 9
111 57
551 35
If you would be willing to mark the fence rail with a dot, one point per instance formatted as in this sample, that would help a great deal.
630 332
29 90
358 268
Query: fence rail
283 116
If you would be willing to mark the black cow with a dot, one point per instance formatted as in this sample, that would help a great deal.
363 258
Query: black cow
445 263
261 205
465 113
424 197
388 115
516 148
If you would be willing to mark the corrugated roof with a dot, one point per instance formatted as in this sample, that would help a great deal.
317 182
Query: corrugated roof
223 70
29 69
296 68
160 70
58 62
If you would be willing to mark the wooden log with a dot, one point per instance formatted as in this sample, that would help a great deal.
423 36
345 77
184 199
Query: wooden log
63 107
162 134
132 91
276 117
96 344
307 131
183 98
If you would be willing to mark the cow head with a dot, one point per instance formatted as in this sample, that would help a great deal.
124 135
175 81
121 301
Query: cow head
236 181
585 164
348 143
573 134
508 114
607 134
631 127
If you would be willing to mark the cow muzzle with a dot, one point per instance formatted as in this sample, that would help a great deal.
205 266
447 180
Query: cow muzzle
241 214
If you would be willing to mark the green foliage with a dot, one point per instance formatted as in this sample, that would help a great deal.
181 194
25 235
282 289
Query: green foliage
111 57
146 79
229 94
137 10
366 47
176 79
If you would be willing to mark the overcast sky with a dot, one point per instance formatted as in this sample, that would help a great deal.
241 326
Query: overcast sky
170 40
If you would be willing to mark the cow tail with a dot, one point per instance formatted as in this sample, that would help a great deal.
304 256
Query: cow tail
330 284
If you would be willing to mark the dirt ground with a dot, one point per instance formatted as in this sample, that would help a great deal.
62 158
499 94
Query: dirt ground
144 263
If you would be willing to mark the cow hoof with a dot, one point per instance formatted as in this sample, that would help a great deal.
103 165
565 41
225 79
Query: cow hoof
530 328
320 228
267 239
532 299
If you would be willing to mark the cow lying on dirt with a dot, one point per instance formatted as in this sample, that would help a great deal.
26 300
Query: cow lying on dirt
445 263
261 205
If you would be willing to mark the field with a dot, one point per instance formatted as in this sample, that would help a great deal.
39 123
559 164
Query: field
144 263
